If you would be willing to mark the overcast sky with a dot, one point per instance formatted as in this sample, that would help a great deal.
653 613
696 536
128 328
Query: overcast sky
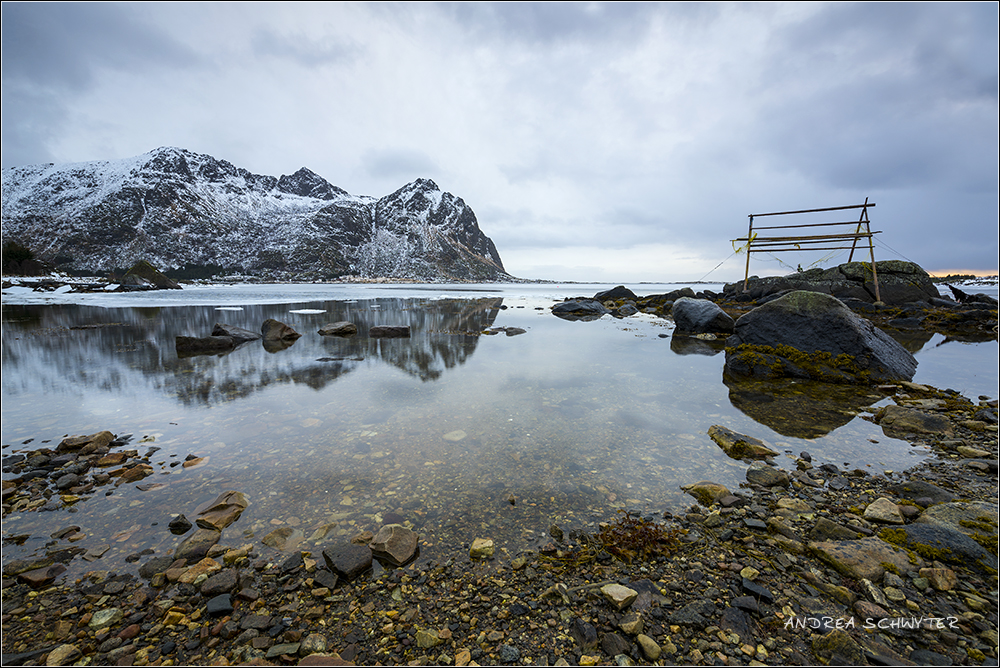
607 142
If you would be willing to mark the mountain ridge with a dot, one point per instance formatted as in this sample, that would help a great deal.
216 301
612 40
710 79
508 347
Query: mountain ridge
179 209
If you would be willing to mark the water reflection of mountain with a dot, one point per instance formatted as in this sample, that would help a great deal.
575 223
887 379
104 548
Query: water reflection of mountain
797 408
73 349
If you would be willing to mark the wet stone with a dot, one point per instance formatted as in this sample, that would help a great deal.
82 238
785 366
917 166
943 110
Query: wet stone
584 634
348 561
221 583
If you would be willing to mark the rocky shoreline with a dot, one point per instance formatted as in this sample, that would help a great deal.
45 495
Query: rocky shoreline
818 565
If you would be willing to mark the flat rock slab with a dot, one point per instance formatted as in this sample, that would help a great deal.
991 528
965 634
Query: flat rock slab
943 543
342 328
739 446
348 561
974 517
222 512
900 420
916 490
863 558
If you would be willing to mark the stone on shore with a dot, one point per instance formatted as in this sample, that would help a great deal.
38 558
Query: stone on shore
395 543
707 493
883 511
865 558
579 310
619 596
900 421
482 548
197 545
348 561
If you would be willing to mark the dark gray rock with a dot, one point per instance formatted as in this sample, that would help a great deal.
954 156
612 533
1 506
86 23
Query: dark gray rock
222 582
154 566
219 605
812 335
179 525
918 489
196 546
827 529
947 544
766 476
697 316
695 614
584 634
579 310
616 293
237 334
348 561
757 591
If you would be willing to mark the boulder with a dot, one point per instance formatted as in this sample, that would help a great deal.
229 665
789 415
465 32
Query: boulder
237 334
969 517
899 283
696 316
583 309
814 336
389 332
273 330
395 544
616 293
342 328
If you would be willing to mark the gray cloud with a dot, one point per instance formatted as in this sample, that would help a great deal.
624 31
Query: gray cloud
301 49
639 135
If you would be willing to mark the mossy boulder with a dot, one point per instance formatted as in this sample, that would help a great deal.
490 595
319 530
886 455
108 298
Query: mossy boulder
814 336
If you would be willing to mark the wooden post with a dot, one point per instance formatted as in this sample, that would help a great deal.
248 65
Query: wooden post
862 219
746 277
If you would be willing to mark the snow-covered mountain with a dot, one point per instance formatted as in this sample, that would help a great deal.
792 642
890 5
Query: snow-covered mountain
179 209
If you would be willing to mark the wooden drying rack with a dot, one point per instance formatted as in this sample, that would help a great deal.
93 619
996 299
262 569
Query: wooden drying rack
778 244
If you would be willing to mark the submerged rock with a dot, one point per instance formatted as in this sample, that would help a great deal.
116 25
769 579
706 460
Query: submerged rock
739 446
812 335
395 543
204 345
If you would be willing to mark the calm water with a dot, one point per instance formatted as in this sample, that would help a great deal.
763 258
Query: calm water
570 420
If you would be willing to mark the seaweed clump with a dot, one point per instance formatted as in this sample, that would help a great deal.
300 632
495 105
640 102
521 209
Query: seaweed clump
633 537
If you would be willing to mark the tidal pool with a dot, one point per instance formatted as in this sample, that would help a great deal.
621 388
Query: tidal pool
458 433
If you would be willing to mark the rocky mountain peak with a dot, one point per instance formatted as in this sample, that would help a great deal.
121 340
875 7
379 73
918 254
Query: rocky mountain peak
307 183
181 210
